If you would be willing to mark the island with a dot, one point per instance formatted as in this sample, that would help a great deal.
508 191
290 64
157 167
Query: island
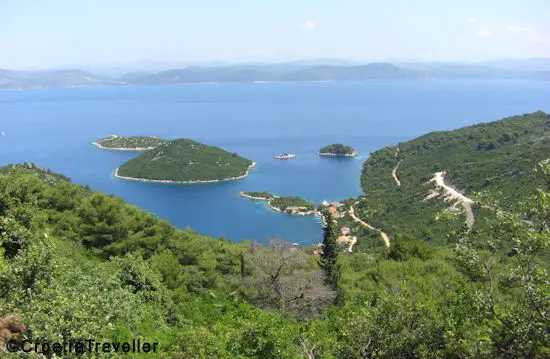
337 150
294 206
185 161
285 156
131 143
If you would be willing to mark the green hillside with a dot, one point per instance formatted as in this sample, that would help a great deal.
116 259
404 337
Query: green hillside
496 157
186 160
77 264
116 142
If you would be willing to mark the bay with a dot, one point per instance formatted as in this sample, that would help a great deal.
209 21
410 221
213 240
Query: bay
54 128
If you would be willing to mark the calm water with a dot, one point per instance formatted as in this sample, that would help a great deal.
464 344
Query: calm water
54 128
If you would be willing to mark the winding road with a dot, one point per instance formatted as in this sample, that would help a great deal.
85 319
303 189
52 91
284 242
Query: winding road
384 236
394 175
453 194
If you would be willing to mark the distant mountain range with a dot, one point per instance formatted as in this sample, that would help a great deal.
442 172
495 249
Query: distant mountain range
313 70
54 78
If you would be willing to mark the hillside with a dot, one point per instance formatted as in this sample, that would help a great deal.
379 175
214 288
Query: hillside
185 160
75 263
132 143
402 199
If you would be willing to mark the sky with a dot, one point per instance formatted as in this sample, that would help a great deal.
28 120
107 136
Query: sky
54 33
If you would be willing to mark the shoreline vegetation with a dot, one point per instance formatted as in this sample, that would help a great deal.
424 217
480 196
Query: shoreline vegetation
252 165
337 150
131 143
293 206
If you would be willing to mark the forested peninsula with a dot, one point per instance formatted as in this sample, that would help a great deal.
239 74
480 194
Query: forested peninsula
185 161
77 263
132 143
292 205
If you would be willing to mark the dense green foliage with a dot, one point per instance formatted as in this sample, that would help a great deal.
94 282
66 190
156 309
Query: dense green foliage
185 160
79 263
283 203
494 157
337 149
131 142
44 174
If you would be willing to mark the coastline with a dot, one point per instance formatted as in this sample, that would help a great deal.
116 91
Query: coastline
122 148
327 154
242 194
183 182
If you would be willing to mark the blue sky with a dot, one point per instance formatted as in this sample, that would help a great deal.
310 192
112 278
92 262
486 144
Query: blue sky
53 33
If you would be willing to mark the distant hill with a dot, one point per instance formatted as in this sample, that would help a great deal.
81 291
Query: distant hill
290 72
313 70
496 69
185 160
56 78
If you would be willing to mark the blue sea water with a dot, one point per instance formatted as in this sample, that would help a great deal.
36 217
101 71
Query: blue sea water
54 128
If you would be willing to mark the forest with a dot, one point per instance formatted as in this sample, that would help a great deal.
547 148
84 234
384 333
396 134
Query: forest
185 160
337 149
78 263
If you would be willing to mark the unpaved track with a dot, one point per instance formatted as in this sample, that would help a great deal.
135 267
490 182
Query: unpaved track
453 194
384 236
394 175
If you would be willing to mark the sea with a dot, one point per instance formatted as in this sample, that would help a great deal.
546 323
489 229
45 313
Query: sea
54 128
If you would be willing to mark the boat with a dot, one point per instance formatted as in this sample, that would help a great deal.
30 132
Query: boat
285 156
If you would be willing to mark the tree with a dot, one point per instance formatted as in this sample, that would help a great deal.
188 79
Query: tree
285 277
330 255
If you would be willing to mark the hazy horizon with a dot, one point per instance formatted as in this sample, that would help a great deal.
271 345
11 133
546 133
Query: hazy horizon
151 64
58 33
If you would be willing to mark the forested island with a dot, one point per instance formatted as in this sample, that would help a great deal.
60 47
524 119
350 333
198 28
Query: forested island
132 143
77 263
185 161
295 206
337 150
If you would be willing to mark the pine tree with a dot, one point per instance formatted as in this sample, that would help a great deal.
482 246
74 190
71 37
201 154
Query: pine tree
330 254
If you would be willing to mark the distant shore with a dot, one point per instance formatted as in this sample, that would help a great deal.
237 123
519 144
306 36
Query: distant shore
183 182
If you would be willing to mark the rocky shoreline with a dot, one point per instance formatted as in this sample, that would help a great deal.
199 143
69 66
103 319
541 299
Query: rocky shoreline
183 182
